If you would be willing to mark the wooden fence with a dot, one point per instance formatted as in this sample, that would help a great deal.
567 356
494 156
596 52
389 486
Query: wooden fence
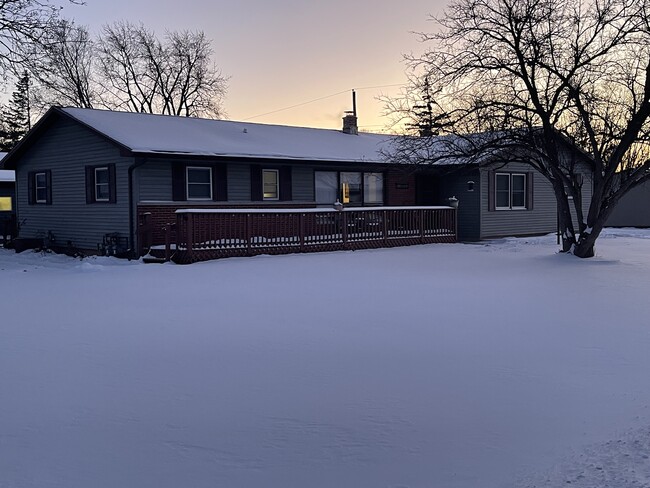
204 234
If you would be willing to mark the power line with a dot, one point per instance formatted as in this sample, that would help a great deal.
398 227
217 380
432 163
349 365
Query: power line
297 105
319 99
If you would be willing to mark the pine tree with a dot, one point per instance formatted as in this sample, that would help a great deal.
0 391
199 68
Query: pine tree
16 115
427 121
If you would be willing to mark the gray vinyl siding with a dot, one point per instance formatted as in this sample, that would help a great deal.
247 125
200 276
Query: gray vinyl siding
154 182
633 209
303 184
469 202
542 218
65 149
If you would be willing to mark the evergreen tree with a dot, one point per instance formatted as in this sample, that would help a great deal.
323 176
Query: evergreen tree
427 119
16 117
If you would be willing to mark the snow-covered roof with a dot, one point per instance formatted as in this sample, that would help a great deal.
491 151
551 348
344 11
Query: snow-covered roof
146 133
7 175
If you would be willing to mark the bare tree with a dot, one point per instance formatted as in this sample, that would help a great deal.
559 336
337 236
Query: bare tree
174 77
525 78
64 68
24 23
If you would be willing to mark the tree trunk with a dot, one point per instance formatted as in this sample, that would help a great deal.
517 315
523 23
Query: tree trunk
564 218
585 246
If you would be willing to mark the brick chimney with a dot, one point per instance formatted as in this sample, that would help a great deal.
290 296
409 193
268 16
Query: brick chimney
350 124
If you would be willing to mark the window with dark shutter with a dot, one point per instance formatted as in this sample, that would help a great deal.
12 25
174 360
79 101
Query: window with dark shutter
39 187
101 184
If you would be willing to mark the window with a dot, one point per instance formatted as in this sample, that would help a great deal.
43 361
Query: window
348 187
5 204
373 188
351 187
510 191
199 183
40 187
271 183
102 185
326 183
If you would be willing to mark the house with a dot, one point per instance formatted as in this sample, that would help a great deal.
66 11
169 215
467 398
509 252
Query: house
7 202
633 209
96 179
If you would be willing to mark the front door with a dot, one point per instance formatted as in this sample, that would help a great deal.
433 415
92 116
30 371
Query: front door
426 189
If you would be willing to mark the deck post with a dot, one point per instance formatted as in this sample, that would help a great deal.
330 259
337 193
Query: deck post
189 236
455 224
168 241
421 226
384 223
344 231
249 232
301 220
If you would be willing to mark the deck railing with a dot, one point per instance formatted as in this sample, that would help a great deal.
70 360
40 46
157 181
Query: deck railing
203 234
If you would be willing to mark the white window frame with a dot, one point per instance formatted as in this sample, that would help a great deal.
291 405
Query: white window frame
523 175
496 187
107 184
187 182
36 187
277 184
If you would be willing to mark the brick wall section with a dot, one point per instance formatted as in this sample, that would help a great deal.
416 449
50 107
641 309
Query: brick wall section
159 215
400 188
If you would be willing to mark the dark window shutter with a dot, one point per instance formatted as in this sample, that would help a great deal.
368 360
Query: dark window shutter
491 194
90 184
286 193
530 187
220 182
178 182
31 190
257 193
48 182
112 193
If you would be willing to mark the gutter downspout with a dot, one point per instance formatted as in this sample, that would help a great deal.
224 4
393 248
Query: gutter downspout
133 252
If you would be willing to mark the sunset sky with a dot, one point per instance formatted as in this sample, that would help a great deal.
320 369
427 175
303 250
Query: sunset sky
280 53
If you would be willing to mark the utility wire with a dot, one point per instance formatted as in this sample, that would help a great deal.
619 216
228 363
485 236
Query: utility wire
319 99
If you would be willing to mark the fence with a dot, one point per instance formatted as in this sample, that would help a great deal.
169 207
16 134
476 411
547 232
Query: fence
203 234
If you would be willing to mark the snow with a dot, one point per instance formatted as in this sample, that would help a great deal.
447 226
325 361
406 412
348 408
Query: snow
7 175
303 210
499 364
146 133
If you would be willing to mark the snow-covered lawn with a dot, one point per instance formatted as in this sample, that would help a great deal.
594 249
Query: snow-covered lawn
500 364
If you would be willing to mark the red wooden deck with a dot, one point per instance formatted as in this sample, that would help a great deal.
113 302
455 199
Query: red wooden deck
204 234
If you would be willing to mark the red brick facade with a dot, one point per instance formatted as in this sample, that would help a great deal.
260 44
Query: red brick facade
400 188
